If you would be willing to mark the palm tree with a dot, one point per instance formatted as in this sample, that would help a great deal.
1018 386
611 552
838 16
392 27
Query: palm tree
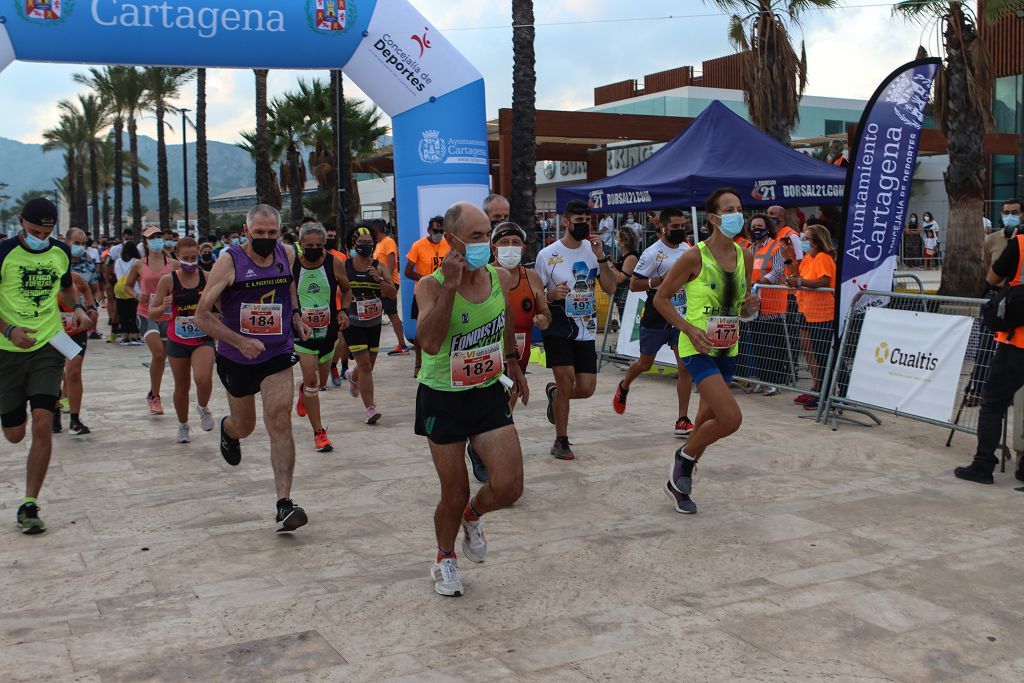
288 125
274 151
261 149
163 84
92 119
202 165
121 92
774 76
105 163
963 109
67 136
524 114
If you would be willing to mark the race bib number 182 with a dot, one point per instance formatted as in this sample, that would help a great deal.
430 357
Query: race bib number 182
476 366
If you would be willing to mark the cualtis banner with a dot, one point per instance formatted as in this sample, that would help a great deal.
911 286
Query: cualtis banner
433 95
878 182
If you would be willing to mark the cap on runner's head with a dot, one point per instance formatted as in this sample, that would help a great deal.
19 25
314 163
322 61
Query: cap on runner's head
507 229
152 231
360 231
40 211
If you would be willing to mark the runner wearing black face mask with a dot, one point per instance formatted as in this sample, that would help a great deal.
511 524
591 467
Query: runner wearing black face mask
655 332
569 270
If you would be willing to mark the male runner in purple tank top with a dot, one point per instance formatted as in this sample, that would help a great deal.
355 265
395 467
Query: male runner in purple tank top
252 287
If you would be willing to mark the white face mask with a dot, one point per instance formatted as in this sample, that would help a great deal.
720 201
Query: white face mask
509 257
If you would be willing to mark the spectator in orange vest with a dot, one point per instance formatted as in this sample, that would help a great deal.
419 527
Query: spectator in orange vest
767 334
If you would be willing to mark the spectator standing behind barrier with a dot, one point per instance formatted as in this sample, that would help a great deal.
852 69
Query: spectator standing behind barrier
929 223
766 344
912 243
995 245
817 270
1006 375
622 270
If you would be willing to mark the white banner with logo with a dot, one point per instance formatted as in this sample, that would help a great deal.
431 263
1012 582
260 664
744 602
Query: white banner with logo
435 200
6 49
910 362
404 61
629 331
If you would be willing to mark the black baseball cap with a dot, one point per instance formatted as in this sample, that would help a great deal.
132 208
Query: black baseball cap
40 211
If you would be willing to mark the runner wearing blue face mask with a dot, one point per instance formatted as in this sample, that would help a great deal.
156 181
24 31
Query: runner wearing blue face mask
717 279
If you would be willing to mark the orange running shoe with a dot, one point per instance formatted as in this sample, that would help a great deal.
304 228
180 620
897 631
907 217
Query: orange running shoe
323 444
300 404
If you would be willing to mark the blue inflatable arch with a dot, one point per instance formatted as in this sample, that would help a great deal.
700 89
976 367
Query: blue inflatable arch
434 96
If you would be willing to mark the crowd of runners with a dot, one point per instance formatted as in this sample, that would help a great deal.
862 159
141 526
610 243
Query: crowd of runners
262 305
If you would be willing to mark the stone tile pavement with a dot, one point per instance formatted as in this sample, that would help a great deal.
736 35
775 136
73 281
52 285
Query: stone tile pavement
816 555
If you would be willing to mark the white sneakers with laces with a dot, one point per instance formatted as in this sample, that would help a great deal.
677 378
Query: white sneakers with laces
474 543
446 577
205 418
184 433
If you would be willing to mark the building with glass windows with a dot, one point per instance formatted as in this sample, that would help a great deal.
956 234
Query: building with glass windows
1005 40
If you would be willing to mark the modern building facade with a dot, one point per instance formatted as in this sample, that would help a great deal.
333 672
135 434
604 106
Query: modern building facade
1005 41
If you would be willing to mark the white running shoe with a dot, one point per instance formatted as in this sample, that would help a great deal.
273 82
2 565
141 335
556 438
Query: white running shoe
446 577
184 433
474 543
205 418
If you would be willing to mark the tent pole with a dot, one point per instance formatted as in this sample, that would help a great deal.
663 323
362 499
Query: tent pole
693 218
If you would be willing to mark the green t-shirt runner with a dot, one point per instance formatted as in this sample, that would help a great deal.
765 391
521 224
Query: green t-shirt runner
472 354
316 288
30 282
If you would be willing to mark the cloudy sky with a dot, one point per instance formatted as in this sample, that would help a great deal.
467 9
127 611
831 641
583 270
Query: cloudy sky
580 44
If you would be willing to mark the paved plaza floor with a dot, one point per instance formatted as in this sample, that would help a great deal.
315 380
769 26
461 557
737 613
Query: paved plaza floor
849 556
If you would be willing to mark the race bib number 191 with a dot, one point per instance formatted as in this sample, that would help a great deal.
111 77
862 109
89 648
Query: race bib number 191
261 319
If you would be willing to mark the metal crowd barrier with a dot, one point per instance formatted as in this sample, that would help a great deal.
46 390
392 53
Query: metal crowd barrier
907 282
973 373
780 349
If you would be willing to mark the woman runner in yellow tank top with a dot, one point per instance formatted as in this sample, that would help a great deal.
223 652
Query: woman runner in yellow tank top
717 277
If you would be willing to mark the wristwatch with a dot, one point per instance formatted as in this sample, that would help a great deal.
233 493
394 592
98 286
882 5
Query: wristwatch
513 354
603 260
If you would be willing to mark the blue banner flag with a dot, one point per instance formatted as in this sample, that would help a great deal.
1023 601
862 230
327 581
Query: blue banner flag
878 182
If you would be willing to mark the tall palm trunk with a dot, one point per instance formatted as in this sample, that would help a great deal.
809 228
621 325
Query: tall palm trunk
335 146
70 165
133 145
83 193
296 186
202 164
94 188
524 114
264 171
962 270
106 210
118 175
161 168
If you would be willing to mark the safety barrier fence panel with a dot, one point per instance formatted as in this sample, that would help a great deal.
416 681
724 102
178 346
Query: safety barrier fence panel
972 368
787 347
907 282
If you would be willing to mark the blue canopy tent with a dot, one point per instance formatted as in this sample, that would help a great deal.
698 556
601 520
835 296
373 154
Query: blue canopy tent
719 149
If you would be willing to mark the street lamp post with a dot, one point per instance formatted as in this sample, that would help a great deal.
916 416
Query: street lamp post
184 164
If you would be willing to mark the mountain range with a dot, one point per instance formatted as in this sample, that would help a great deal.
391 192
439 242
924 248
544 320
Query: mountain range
26 167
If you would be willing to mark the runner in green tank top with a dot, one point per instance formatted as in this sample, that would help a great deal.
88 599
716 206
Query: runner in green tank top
466 333
319 276
717 279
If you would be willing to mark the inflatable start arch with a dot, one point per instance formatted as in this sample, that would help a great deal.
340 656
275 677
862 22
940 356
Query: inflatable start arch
434 96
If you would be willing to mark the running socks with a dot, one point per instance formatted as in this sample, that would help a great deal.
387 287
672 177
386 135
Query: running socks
470 514
686 463
442 554
30 501
74 418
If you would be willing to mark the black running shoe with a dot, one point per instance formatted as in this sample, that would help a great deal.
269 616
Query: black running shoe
57 429
479 468
550 390
1019 472
28 519
289 516
78 429
230 448
976 472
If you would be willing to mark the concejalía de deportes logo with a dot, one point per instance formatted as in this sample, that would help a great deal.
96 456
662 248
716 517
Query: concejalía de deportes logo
404 64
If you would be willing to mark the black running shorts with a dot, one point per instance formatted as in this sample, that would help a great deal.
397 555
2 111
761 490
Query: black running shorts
243 380
447 417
